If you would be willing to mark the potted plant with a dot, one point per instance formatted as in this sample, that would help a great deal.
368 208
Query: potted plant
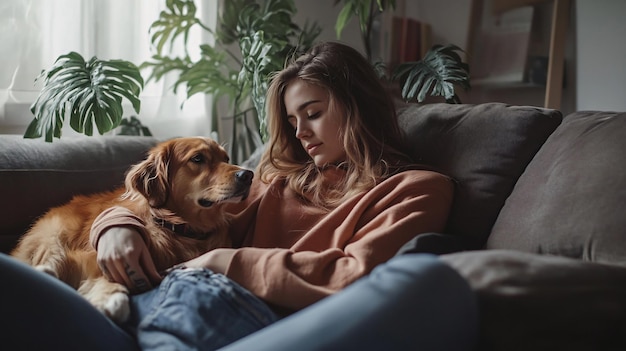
438 73
253 39
90 92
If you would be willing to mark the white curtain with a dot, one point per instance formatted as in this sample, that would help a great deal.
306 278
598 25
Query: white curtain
33 33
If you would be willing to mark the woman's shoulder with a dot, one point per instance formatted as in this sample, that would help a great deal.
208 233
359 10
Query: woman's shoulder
420 180
418 174
409 184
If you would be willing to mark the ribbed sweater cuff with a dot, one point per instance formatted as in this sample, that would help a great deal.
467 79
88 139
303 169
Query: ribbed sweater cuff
115 217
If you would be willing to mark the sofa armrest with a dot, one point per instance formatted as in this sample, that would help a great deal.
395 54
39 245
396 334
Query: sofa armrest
538 302
35 175
438 244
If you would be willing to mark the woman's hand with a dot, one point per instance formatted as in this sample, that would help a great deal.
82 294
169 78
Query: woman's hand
124 258
216 260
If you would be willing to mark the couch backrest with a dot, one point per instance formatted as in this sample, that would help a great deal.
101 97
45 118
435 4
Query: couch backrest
484 147
571 200
35 175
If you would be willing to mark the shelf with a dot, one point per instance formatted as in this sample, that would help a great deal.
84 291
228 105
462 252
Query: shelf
555 69
477 83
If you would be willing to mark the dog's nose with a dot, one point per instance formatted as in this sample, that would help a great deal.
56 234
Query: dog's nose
244 176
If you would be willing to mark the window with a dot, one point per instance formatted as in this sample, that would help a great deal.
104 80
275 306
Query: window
33 33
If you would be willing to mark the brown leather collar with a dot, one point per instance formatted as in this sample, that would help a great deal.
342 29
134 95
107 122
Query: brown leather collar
181 229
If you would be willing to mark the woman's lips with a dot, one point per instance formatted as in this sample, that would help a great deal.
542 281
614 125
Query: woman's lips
312 147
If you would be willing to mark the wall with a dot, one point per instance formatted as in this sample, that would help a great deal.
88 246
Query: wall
595 69
452 27
447 27
595 76
325 14
449 19
601 55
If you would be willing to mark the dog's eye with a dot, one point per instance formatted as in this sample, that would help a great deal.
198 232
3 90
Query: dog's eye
197 158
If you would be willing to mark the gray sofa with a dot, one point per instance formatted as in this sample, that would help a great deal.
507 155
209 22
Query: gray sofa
538 226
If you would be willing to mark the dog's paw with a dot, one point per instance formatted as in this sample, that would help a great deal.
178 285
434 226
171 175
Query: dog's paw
117 307
47 269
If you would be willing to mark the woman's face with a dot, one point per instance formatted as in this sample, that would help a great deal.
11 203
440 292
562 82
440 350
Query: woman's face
316 124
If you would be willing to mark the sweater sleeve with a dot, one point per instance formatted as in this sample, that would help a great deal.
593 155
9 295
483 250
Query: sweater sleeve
347 243
114 217
121 216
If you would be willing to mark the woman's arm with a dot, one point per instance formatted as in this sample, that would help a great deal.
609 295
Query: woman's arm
344 245
216 260
119 237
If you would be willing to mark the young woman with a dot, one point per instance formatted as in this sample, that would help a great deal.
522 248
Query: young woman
334 197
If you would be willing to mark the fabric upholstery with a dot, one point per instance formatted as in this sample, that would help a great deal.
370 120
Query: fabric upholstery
485 148
570 201
35 175
539 302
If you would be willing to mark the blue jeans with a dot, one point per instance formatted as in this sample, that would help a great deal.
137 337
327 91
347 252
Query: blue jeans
414 301
39 312
196 309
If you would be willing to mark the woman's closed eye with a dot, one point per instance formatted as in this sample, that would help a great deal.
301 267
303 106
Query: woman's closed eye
310 116
313 115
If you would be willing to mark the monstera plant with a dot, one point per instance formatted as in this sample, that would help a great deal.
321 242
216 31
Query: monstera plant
438 73
90 92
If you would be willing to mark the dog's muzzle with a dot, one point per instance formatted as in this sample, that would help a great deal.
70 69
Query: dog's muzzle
243 181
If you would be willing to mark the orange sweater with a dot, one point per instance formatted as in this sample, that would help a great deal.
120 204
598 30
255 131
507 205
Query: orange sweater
292 254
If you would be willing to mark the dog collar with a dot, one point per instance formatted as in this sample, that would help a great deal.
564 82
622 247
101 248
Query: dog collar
181 229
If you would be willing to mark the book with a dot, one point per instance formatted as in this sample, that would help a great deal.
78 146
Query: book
398 39
410 39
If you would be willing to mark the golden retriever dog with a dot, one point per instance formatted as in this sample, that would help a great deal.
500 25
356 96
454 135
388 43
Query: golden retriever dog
178 191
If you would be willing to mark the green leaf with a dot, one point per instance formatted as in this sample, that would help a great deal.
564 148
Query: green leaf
178 18
343 17
436 74
133 126
364 13
266 36
161 65
88 92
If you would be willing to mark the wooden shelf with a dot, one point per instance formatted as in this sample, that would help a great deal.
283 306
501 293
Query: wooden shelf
506 85
556 53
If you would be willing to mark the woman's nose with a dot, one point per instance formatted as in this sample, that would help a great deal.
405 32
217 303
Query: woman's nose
302 130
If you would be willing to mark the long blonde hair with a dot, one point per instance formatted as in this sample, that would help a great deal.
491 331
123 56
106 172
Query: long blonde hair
372 139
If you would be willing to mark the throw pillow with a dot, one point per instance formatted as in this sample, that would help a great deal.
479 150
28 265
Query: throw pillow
484 147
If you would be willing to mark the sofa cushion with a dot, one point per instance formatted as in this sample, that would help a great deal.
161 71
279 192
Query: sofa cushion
570 201
485 148
35 175
539 302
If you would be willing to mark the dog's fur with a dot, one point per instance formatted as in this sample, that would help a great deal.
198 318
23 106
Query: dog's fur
182 181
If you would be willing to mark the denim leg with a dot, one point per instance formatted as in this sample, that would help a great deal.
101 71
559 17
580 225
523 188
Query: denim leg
196 309
412 302
39 312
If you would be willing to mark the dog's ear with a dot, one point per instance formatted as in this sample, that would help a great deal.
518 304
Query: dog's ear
150 177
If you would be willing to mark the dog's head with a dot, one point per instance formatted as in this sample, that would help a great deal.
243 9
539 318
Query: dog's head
188 174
